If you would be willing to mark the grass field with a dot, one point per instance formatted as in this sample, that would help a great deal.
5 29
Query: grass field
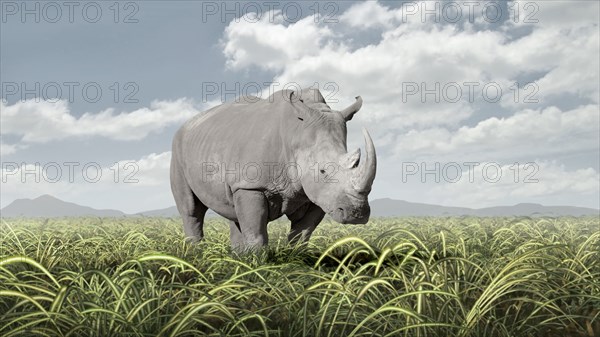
391 277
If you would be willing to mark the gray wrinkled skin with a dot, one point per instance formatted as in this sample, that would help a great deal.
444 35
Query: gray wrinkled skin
258 159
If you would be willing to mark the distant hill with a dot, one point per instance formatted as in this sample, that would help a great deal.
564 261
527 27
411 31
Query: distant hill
169 212
49 206
536 210
163 212
391 207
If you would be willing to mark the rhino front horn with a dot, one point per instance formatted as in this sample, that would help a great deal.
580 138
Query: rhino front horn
366 169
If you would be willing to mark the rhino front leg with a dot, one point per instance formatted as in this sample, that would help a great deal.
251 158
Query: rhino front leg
304 223
235 236
252 212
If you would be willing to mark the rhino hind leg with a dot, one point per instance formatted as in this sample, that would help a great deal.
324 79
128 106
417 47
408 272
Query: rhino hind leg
304 223
192 210
193 220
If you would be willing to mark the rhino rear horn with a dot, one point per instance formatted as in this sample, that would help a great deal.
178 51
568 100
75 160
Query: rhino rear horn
350 160
365 171
349 112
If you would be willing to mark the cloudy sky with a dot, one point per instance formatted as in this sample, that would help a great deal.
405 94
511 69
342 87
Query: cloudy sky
469 103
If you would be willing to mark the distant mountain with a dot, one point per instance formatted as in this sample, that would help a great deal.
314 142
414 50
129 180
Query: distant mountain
49 206
163 212
391 207
169 212
536 210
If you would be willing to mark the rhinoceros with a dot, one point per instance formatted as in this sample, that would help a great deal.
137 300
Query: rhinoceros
254 160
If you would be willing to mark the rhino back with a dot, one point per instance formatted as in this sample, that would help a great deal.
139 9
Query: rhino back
243 138
233 133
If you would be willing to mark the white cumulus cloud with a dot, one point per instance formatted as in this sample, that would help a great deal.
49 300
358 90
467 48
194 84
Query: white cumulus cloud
530 132
145 178
272 42
548 182
45 121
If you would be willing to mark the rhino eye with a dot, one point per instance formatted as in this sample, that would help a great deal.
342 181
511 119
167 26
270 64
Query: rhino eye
300 118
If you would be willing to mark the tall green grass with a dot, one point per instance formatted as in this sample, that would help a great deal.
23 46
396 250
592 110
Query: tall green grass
392 277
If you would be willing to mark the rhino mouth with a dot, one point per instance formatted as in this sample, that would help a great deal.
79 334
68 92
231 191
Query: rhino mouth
344 216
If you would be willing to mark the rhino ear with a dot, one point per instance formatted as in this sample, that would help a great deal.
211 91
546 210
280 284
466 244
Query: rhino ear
311 95
349 112
301 110
295 97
